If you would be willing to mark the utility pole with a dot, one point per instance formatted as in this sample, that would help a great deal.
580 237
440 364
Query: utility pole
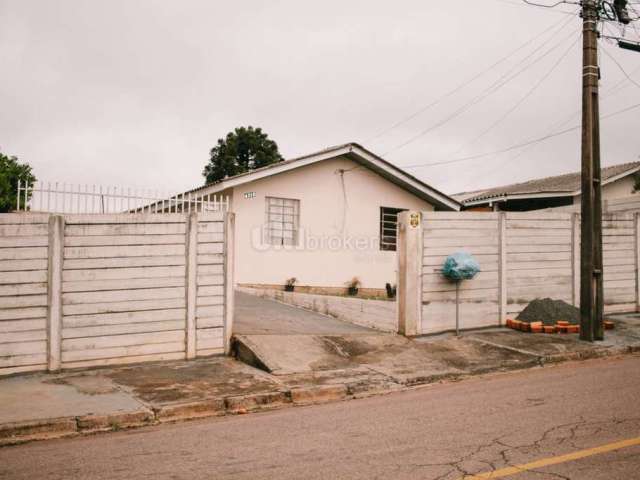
591 288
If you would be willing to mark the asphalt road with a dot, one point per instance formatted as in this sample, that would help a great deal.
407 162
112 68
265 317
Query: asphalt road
439 432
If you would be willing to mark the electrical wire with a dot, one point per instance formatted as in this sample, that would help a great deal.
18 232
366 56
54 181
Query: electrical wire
606 93
519 145
612 58
518 3
496 86
528 94
462 85
528 2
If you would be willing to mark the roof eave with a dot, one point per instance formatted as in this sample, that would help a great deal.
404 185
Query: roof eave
356 153
615 178
516 196
403 179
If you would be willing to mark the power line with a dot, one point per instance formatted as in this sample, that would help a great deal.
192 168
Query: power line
519 145
528 2
612 58
619 85
524 98
464 84
519 3
611 91
486 93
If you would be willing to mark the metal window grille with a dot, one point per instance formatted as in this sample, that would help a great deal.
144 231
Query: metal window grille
282 217
388 227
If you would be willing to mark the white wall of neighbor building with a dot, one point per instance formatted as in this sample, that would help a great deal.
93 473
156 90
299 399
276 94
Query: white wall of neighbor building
622 188
333 206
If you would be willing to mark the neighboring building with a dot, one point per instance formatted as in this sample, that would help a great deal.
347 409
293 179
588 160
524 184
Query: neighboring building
324 219
560 191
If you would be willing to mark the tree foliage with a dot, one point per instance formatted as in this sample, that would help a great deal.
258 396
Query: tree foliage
10 172
242 150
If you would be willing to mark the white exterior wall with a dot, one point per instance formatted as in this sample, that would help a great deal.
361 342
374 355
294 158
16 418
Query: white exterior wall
622 188
327 214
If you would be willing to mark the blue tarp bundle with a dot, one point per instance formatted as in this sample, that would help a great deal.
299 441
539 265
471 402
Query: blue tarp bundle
460 266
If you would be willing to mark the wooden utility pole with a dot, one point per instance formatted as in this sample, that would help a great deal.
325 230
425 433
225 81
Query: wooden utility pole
591 289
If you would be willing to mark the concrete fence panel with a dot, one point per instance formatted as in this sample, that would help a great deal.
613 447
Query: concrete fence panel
619 238
522 255
444 234
24 281
86 290
538 258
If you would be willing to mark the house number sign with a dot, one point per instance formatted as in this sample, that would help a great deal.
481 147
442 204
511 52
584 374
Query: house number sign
414 219
248 195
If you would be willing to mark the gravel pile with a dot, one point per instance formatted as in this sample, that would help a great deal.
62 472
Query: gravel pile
549 311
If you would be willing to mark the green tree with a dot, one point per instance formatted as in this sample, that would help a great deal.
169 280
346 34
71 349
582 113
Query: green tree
636 183
10 172
242 150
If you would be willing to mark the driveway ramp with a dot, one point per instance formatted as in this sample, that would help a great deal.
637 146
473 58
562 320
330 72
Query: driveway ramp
286 354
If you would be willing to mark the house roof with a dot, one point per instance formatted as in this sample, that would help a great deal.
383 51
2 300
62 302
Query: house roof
354 152
557 186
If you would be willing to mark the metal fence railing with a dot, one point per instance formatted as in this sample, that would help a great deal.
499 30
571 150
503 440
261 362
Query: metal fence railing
56 197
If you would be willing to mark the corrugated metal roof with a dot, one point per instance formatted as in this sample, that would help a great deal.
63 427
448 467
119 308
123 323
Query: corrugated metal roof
556 185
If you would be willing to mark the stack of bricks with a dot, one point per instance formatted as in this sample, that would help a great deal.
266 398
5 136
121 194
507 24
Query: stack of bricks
561 326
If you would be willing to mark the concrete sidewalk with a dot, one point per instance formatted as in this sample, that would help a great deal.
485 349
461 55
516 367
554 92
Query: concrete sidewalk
41 406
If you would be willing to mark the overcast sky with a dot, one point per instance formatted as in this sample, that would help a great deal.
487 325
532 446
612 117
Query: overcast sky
135 93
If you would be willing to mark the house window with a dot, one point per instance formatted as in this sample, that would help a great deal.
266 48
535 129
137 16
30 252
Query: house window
282 221
388 227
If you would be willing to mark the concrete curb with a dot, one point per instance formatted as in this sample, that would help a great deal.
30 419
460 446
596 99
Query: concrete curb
116 421
318 394
189 411
428 379
21 432
598 352
257 401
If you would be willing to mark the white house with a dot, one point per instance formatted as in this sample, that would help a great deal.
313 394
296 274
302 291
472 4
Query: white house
323 218
618 184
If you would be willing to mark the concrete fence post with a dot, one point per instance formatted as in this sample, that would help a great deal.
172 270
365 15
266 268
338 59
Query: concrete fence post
229 285
54 293
191 278
502 274
410 258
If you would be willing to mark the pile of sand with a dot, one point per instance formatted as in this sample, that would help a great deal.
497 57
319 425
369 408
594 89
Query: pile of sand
549 311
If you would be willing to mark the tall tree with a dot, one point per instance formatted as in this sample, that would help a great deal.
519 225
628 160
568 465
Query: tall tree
242 150
10 172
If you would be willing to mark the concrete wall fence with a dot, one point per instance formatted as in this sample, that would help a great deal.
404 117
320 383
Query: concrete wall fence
87 290
523 256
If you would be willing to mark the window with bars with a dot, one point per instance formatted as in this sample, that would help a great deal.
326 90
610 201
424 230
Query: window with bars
282 218
388 227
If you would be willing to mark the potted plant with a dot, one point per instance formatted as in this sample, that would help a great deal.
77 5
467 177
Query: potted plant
288 287
391 291
353 285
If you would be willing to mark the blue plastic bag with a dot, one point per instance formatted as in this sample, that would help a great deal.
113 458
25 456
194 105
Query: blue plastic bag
460 266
